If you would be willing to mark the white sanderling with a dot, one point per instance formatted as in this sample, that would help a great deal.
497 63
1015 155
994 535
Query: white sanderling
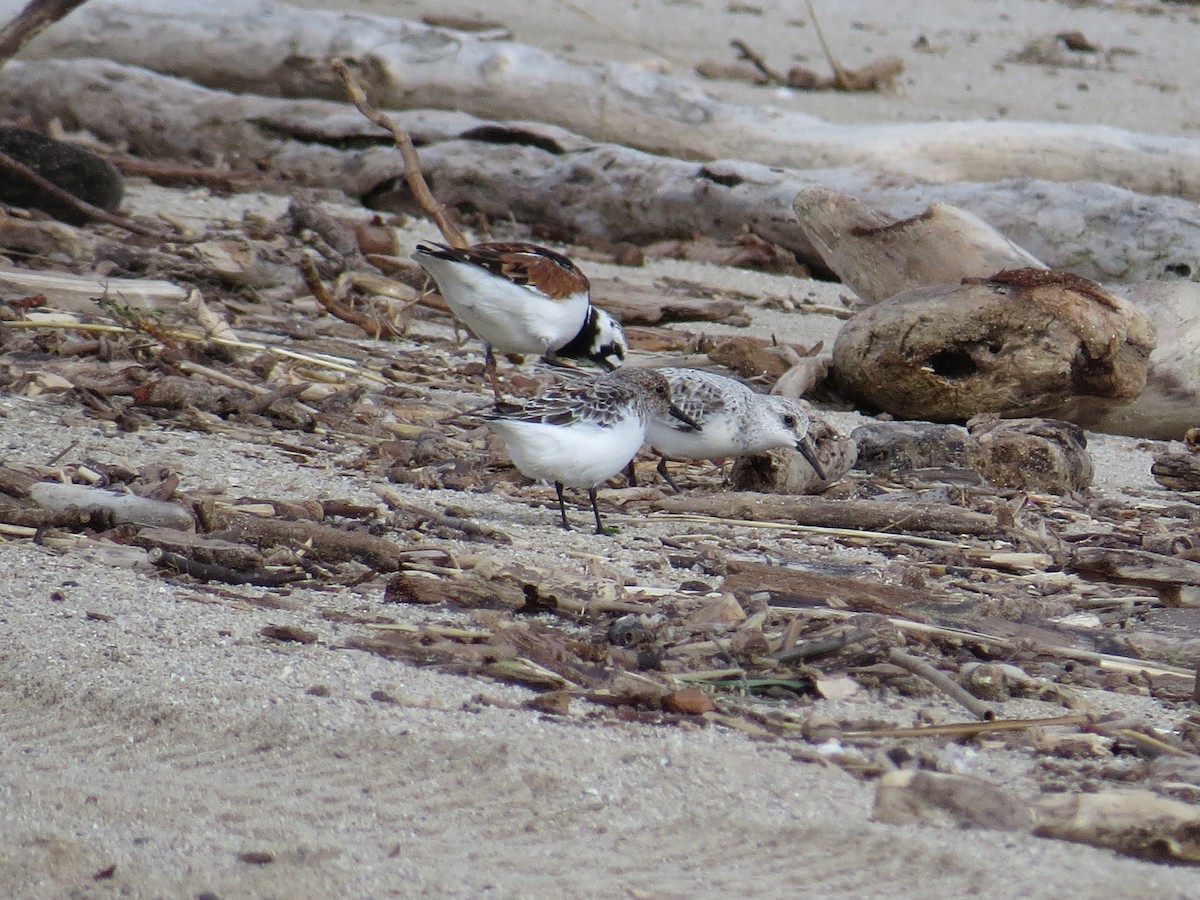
733 420
522 298
583 433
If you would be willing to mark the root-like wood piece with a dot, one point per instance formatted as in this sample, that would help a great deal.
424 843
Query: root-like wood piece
944 683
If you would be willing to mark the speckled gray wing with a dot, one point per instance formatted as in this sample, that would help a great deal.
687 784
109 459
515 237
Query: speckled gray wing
696 397
598 403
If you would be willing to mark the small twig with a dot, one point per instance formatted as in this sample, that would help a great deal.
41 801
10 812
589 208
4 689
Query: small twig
839 74
412 162
31 21
943 683
750 56
821 646
373 327
22 171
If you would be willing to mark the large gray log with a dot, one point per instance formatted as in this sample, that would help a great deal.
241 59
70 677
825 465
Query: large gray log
545 174
273 48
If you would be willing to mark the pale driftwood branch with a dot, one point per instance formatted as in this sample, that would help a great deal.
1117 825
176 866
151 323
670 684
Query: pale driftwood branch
231 45
78 293
878 255
872 515
542 173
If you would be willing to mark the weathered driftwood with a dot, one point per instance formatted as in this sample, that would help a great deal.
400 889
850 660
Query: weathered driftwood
56 497
570 184
317 540
879 257
786 471
1025 342
1042 455
868 515
1177 580
788 586
227 44
634 305
79 293
511 587
1177 471
1135 823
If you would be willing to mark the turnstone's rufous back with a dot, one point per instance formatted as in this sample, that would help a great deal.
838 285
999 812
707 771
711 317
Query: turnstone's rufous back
521 298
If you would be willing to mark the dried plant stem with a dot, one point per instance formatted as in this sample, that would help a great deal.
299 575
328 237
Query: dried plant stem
656 49
969 728
875 537
412 162
839 74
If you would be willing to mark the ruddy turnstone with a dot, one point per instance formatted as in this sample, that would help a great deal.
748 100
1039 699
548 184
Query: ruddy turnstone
733 420
583 433
522 298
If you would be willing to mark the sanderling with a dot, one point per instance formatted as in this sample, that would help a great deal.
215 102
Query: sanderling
583 433
522 298
733 420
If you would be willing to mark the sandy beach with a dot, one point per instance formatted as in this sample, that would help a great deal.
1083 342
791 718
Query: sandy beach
157 744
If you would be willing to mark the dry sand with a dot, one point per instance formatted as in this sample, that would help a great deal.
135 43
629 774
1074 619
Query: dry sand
149 726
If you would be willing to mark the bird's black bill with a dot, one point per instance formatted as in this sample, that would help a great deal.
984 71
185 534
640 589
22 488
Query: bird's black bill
683 417
806 450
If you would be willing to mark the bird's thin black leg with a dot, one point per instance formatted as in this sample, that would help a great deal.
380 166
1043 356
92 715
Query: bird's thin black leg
596 510
662 470
562 506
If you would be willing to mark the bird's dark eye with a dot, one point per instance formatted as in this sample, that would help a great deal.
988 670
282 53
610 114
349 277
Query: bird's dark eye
789 421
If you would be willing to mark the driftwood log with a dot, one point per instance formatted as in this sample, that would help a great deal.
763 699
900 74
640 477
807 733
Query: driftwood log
232 45
1020 343
571 184
975 352
1177 471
